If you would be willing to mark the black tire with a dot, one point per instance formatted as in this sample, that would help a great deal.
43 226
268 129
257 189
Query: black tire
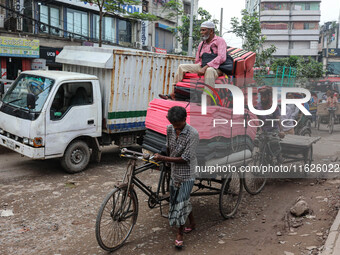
230 195
331 124
253 182
76 157
306 132
114 223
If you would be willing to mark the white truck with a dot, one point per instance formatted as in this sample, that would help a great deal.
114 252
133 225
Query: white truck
99 98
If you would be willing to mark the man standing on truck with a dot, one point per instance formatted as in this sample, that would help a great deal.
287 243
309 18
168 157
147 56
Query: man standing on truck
181 140
211 43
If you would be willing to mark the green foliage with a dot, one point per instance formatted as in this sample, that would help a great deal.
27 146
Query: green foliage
306 68
183 35
249 29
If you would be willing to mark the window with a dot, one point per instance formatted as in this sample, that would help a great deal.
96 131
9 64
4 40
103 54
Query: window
274 25
124 31
50 16
306 6
109 29
96 26
186 8
306 25
70 95
274 6
77 22
164 39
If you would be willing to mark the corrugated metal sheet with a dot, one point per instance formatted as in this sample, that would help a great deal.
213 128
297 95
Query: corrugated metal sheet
136 79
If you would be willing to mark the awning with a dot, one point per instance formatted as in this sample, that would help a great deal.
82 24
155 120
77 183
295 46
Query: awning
86 56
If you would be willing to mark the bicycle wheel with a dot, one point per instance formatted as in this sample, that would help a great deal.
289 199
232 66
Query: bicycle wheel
331 124
254 182
116 217
231 194
308 156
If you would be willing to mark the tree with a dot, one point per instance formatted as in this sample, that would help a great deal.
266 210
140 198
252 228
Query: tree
249 29
183 35
115 6
305 68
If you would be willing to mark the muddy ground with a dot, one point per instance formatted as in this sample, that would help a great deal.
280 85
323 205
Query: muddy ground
55 213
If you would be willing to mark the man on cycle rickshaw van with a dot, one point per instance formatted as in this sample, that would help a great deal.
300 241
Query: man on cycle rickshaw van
181 141
332 100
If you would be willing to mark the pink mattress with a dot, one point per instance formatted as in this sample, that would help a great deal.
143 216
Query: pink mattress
156 119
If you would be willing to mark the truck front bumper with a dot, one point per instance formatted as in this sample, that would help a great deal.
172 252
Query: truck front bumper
28 151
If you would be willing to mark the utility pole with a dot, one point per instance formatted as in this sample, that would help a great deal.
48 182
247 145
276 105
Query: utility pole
221 22
191 27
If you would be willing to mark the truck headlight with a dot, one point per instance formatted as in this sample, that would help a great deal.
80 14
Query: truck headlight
1 131
25 140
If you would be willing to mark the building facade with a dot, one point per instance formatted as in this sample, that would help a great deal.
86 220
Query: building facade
291 25
329 47
33 32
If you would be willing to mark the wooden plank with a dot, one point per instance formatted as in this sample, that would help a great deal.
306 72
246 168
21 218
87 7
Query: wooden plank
299 141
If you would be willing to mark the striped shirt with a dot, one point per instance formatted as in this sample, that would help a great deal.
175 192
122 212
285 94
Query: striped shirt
183 146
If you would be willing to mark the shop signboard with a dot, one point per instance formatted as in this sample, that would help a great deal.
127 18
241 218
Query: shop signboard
38 64
85 4
19 47
49 54
333 53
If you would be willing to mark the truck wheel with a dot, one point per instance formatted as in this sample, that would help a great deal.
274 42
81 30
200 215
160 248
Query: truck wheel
76 157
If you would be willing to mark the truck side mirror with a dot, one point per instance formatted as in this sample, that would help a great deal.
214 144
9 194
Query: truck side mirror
2 88
30 101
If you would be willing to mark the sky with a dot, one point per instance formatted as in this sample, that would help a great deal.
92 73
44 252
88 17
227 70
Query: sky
232 8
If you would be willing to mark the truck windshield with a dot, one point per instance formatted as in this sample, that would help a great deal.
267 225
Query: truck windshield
25 84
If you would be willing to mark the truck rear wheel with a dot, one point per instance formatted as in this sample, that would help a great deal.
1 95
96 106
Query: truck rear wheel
76 157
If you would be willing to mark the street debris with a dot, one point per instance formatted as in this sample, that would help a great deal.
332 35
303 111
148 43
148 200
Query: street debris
6 213
300 208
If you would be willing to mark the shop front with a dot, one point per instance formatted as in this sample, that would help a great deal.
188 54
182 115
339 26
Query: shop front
16 55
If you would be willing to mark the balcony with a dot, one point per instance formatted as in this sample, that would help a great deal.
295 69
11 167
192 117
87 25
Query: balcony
275 13
305 18
304 52
274 18
274 32
306 13
305 32
276 37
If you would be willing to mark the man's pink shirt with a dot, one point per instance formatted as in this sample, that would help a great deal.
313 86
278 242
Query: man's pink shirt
219 47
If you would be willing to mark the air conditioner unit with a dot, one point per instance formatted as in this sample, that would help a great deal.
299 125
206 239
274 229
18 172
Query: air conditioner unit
137 45
2 20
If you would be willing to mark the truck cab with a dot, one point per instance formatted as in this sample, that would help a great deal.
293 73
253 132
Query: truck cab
53 114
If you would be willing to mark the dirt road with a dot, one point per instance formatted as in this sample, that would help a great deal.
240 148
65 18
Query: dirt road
54 213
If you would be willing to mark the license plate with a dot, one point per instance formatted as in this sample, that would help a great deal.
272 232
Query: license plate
10 144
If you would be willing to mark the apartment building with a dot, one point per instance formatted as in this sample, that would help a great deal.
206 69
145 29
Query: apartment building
291 25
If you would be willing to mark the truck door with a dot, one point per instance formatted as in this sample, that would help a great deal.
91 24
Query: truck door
71 113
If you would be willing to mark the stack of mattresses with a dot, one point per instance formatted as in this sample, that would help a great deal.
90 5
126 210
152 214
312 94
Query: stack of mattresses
215 142
193 85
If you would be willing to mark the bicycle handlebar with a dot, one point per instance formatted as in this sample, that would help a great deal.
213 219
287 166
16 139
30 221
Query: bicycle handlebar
136 154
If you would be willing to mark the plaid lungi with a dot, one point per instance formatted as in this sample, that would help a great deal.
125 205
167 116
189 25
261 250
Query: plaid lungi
180 206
